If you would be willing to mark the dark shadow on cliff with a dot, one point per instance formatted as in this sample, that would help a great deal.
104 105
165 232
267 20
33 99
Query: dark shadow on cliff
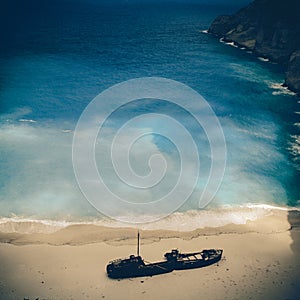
294 220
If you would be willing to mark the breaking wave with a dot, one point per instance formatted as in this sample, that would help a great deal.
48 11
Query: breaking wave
178 221
279 89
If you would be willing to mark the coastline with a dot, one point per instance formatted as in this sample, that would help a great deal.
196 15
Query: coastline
275 221
269 30
261 260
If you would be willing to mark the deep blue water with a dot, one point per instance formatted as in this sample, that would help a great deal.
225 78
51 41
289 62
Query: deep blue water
57 56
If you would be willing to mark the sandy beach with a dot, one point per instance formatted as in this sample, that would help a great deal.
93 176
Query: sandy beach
260 261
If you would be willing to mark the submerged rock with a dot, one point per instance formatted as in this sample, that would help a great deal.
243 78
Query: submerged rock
271 29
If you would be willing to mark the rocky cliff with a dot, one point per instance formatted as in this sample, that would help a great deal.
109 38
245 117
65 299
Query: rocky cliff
271 29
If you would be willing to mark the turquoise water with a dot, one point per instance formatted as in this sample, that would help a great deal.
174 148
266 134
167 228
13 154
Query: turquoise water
61 58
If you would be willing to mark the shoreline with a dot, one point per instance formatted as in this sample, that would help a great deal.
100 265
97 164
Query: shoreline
260 261
185 221
29 232
279 88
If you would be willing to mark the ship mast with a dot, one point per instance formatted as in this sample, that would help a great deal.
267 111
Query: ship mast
138 244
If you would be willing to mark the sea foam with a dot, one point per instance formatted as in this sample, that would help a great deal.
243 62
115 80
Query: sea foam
27 120
178 221
263 59
279 89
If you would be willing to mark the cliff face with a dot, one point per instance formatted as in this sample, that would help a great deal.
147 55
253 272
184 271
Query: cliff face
271 29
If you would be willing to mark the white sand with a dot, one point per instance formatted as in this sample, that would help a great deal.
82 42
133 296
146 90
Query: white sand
261 261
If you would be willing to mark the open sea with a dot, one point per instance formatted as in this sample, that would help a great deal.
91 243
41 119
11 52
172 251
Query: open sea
56 56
